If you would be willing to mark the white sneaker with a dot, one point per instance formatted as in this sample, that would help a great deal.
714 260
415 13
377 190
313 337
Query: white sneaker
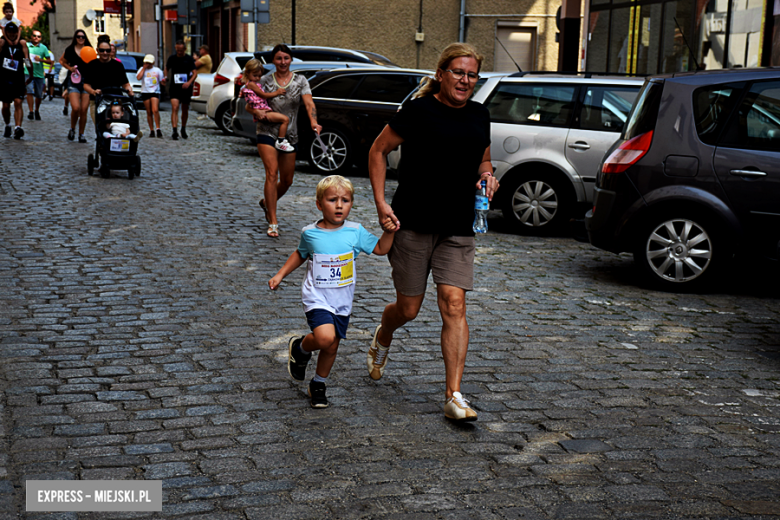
284 146
457 409
377 357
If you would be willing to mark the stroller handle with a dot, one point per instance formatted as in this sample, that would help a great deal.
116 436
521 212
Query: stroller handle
112 92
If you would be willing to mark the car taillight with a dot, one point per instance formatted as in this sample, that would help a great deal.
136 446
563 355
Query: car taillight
196 90
627 153
219 79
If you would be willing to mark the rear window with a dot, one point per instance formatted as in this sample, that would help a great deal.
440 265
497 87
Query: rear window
644 114
242 61
606 108
532 104
712 106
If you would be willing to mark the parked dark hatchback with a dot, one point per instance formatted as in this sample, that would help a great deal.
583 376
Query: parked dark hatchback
353 106
695 176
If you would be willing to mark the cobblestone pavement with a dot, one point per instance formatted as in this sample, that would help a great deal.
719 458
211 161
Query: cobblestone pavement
139 341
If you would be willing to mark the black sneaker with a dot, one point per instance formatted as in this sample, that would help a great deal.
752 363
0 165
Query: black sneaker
82 139
159 133
18 133
30 116
37 116
175 135
184 133
8 131
317 394
65 111
71 134
297 367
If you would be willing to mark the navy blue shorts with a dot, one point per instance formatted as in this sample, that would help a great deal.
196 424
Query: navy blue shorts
317 317
265 139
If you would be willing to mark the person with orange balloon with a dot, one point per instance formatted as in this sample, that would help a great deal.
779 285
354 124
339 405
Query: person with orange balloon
79 99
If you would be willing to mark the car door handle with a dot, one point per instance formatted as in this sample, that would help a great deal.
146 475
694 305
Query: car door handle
580 145
747 173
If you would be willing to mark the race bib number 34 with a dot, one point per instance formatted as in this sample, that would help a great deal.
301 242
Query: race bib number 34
334 270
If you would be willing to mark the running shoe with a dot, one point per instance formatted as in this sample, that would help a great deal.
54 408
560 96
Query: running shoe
317 394
71 134
457 409
377 357
175 135
184 133
18 133
297 367
284 146
30 116
159 133
37 116
8 131
82 139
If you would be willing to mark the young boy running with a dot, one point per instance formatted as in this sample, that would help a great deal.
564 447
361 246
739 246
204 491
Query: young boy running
330 247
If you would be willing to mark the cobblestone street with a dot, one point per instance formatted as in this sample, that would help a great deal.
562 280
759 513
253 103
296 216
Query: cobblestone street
139 340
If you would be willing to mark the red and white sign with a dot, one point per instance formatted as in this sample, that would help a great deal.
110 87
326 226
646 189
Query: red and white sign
115 6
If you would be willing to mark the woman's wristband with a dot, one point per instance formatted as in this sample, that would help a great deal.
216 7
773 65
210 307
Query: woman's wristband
489 174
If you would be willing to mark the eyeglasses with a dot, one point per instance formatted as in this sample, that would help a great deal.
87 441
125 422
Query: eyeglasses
458 74
36 35
104 51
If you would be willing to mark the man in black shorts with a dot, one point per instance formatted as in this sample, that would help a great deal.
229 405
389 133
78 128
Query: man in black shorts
181 75
13 85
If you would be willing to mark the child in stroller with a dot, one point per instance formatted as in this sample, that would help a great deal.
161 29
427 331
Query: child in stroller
117 129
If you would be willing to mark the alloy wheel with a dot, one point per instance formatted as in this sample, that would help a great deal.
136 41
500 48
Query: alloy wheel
334 156
535 203
678 250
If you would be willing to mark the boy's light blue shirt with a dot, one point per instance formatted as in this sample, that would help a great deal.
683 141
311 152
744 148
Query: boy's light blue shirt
351 237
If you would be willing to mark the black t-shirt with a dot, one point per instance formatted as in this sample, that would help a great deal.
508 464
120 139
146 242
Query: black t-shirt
99 75
73 58
13 70
441 153
177 65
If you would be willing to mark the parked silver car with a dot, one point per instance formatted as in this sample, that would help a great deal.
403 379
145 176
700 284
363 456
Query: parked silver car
549 133
201 92
218 107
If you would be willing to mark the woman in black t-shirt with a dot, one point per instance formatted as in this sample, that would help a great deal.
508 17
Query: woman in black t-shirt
446 140
79 99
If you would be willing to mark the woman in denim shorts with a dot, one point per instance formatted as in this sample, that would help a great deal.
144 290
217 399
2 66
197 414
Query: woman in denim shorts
79 99
446 148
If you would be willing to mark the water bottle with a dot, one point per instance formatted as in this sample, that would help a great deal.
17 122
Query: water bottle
481 206
75 76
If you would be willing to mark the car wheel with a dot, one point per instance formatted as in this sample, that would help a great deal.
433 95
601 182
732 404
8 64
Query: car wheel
224 118
536 203
679 252
337 155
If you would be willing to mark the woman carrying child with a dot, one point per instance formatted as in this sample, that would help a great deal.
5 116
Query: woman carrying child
256 103
280 166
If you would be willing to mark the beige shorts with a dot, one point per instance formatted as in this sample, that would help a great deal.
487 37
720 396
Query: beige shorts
414 255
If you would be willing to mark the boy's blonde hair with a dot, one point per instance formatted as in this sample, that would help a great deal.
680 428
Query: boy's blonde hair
251 66
334 181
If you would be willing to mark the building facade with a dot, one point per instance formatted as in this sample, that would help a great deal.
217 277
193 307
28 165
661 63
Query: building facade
71 15
660 36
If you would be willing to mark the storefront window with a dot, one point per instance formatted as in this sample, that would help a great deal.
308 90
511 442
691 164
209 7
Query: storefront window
745 33
598 41
620 46
711 21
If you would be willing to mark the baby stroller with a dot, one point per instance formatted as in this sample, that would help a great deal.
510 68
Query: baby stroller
116 153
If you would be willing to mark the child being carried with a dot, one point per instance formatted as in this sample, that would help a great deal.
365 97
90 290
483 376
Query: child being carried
257 105
115 127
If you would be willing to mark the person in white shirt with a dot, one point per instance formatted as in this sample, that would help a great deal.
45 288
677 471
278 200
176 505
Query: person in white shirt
151 78
8 17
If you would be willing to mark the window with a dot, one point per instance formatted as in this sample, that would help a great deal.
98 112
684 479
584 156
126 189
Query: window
338 87
606 108
532 104
99 25
386 88
712 106
757 122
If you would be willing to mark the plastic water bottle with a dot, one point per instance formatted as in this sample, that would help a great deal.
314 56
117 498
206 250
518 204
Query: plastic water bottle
75 76
481 206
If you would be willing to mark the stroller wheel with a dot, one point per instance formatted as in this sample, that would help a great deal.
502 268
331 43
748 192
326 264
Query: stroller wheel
90 164
136 168
105 172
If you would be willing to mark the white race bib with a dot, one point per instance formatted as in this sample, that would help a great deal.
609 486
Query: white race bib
119 145
10 64
331 271
151 81
180 79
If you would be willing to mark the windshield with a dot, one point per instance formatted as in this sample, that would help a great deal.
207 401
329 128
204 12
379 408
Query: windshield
128 62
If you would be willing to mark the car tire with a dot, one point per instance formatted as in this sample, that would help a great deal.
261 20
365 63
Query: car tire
536 203
677 251
224 118
338 156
